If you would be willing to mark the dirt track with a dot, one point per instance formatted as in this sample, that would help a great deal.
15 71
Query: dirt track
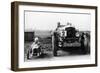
48 55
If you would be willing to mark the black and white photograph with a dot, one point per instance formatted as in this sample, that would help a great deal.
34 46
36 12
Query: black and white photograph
51 36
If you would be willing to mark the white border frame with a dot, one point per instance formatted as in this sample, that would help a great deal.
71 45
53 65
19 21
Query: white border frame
47 63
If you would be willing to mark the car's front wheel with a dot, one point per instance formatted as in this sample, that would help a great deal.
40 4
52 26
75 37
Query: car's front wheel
85 47
29 54
55 52
28 57
55 48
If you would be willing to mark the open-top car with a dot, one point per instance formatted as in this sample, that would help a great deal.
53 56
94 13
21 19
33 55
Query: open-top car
67 37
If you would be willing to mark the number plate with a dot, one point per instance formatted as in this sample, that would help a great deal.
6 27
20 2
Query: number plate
72 44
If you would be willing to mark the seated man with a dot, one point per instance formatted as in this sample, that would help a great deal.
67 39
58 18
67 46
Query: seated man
36 48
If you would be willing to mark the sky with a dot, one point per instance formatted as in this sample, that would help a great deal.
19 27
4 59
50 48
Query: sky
48 20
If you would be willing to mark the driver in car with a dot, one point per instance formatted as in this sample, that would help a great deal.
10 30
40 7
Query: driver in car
36 47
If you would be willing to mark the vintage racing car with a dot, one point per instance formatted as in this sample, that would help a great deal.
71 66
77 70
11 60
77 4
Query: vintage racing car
67 37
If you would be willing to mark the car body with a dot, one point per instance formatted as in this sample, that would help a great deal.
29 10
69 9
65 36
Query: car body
35 49
67 37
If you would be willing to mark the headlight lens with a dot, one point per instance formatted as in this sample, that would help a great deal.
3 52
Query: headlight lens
77 34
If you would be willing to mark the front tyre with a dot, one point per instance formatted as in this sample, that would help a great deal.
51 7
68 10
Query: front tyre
55 52
85 46
55 49
55 41
29 54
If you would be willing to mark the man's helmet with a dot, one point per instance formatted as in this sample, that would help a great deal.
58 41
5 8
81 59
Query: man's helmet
36 39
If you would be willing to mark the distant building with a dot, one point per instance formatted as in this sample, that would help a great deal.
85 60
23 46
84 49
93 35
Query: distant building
29 36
